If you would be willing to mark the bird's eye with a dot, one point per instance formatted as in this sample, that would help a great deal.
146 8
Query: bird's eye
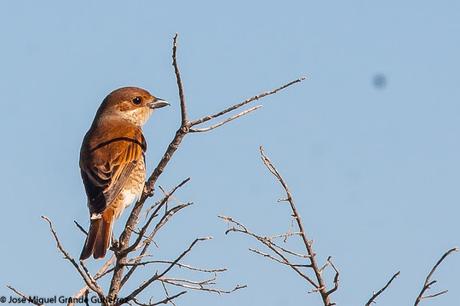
137 100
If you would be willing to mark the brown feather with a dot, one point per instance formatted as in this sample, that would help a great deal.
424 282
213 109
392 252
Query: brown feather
106 161
94 229
105 234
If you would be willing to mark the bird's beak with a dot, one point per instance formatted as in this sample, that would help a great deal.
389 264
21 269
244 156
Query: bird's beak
158 103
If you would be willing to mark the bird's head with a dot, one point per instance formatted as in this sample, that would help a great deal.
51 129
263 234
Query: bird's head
132 104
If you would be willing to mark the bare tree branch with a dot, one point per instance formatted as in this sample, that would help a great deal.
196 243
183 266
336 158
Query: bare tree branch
88 279
376 294
212 127
201 286
168 214
278 260
99 274
242 229
80 228
152 216
164 301
25 296
157 276
180 87
336 276
285 236
325 295
180 265
281 253
247 101
428 282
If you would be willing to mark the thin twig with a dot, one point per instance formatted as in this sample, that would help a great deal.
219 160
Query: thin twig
247 101
163 285
200 287
164 301
325 295
212 127
266 255
281 253
152 216
429 282
99 274
285 236
146 283
80 228
167 216
270 245
336 276
180 265
90 282
28 298
180 86
376 294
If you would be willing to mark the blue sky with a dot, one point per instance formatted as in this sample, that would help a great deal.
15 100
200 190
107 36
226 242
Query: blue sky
375 172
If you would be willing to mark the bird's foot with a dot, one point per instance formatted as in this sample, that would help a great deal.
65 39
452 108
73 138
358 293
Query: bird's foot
148 190
115 244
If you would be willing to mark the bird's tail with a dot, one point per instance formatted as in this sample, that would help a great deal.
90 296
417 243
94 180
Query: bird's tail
99 236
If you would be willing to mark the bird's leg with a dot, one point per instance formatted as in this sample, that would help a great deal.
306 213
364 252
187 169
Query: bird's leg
149 191
115 245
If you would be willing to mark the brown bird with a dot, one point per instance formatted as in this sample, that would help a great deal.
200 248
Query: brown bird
112 162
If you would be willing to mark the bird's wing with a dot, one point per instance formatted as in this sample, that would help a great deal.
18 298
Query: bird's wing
106 167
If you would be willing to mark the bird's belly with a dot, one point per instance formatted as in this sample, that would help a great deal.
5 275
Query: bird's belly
132 190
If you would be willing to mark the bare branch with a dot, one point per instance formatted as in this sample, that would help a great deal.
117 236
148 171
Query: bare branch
180 265
376 294
281 253
180 86
164 301
435 295
266 255
285 236
199 286
152 216
90 282
325 295
80 228
25 296
167 196
429 282
146 243
212 127
158 276
247 101
242 229
336 276
99 274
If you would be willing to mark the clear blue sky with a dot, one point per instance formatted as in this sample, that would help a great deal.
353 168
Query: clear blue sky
375 172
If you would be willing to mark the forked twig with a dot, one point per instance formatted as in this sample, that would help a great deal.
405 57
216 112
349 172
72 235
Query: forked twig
428 282
104 270
281 254
157 276
88 279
